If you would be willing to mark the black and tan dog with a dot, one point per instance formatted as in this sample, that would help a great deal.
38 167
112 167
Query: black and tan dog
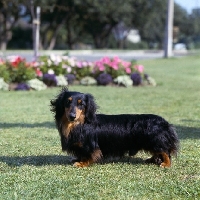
89 136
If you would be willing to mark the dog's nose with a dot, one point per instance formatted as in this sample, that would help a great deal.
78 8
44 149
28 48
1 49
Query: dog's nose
72 116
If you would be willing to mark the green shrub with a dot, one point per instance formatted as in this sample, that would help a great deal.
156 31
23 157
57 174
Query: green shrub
21 72
4 73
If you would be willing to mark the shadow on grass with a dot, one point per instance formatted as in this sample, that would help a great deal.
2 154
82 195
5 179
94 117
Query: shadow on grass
26 125
17 161
125 159
188 132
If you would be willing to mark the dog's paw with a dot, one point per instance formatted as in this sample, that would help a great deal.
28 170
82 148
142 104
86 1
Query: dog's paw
153 160
80 164
164 165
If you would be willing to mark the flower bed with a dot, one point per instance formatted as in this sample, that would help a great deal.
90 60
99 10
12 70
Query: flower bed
55 71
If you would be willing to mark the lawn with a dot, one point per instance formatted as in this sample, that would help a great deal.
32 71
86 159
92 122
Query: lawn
32 165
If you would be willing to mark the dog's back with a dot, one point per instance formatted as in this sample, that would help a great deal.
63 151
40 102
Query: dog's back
118 134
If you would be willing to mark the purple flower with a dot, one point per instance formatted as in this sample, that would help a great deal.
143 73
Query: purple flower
22 86
104 79
136 78
50 79
70 78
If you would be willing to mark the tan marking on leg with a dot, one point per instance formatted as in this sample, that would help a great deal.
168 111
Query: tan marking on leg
83 163
166 160
96 155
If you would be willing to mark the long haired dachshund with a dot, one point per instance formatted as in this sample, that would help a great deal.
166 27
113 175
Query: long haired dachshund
89 136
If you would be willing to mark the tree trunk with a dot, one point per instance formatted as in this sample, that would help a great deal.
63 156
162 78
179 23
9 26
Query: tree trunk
52 43
3 45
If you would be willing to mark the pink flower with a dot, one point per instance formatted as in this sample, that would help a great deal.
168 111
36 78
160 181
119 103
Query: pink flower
114 66
101 68
128 70
1 61
33 64
15 60
126 64
90 64
39 72
105 60
116 59
79 64
139 68
84 64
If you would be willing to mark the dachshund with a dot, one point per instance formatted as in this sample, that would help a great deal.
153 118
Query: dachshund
90 136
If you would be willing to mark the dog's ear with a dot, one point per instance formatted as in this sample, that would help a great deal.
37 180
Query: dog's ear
57 106
91 107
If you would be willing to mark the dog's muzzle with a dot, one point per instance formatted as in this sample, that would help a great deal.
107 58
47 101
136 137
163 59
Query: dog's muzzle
72 116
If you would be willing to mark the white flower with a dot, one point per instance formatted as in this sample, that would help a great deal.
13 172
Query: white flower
50 71
58 59
124 80
53 57
3 85
61 80
65 57
69 69
72 62
36 84
64 66
49 62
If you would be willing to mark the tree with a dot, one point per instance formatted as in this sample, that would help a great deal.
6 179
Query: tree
74 21
150 19
100 17
10 12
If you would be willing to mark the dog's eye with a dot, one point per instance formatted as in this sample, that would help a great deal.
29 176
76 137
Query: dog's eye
81 103
68 102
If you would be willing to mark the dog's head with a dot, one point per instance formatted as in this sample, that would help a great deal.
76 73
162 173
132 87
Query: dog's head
75 106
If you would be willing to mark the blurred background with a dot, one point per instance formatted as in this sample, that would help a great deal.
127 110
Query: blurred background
97 24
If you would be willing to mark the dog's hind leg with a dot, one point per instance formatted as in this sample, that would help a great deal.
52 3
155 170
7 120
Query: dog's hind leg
166 160
162 159
155 159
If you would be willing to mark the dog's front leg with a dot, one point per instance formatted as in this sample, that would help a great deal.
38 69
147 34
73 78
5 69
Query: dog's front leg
95 156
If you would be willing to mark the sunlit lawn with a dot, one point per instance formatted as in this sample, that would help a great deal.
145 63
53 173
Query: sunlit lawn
32 165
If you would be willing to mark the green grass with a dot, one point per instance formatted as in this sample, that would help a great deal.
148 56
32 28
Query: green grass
32 165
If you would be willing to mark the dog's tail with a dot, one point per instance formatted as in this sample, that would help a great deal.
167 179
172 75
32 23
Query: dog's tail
173 140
